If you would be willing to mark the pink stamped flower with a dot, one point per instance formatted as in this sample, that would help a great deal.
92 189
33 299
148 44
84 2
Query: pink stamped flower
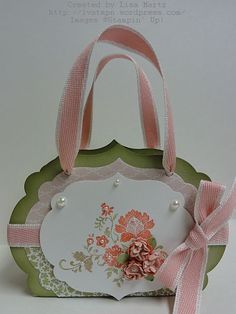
139 249
90 240
101 241
133 270
106 210
111 254
154 262
134 225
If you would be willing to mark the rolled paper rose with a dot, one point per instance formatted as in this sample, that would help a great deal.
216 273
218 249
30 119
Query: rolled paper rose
154 262
139 249
133 270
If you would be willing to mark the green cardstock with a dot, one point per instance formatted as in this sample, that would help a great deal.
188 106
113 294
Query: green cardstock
141 158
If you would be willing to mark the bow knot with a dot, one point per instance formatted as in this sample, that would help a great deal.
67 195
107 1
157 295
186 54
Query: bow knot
196 239
185 267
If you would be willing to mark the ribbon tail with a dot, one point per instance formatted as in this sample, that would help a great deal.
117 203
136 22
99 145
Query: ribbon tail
189 289
171 270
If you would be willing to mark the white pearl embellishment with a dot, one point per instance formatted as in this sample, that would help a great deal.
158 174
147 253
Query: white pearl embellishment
61 202
117 182
174 205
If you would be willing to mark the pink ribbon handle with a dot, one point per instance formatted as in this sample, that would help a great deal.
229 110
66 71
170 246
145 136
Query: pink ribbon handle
70 116
147 105
185 267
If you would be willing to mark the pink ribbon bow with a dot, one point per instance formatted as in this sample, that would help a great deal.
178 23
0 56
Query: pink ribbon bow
185 267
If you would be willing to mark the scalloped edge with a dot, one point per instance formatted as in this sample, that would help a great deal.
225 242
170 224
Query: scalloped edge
142 158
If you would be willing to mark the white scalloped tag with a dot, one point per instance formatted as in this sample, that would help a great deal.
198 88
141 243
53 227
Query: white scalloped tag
90 233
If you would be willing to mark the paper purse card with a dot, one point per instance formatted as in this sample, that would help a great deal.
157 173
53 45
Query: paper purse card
118 221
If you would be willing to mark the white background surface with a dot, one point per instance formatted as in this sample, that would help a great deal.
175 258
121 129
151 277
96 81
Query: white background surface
197 51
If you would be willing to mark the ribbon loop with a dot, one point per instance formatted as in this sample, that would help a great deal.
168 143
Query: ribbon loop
197 239
72 111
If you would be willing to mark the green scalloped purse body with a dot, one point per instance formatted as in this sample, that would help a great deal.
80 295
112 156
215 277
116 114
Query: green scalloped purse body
141 158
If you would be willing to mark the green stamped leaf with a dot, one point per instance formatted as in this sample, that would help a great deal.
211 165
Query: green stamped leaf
88 264
79 256
107 232
122 258
99 222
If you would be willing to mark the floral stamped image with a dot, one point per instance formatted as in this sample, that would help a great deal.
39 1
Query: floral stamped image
124 246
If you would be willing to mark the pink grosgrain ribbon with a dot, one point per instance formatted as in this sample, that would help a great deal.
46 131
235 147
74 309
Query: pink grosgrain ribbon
186 265
71 112
147 105
23 235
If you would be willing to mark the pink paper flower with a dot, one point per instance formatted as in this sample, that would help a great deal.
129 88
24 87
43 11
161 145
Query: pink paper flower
133 270
154 262
139 249
101 241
